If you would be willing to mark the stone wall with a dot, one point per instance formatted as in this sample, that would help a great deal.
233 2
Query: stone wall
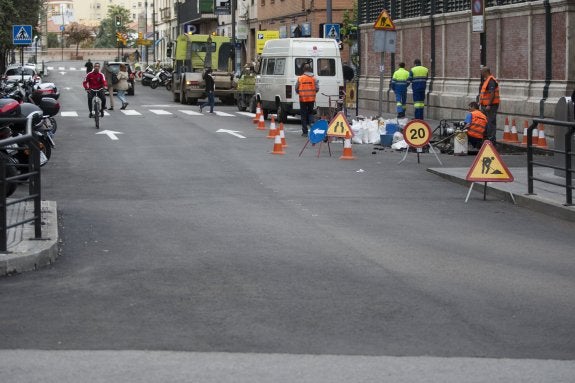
515 52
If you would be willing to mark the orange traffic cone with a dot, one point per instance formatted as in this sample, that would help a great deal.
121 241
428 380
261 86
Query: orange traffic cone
542 141
535 136
278 148
282 135
506 131
525 132
258 114
514 138
347 152
273 131
261 123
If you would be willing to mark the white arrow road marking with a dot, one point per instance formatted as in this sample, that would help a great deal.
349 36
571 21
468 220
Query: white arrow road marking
62 73
111 134
191 112
159 111
232 132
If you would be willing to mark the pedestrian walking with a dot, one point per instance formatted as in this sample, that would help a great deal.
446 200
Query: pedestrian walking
210 88
306 87
418 80
399 85
122 85
89 66
108 74
489 101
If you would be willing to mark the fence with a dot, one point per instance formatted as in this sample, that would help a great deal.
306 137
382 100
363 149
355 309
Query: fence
29 173
567 151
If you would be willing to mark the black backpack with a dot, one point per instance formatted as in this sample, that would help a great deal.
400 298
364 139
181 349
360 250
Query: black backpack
114 78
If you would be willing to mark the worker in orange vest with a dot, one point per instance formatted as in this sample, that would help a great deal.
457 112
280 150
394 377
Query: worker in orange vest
307 86
489 101
475 123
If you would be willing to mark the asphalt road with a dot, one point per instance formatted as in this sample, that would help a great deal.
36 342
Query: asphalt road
179 241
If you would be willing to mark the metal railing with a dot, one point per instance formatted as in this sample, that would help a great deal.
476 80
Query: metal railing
568 152
29 173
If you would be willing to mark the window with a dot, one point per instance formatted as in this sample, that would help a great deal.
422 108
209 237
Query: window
270 66
299 62
326 67
274 67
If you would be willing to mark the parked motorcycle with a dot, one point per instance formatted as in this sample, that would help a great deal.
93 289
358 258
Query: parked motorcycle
148 76
164 78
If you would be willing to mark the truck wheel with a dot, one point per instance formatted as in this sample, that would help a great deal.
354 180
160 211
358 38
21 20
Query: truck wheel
253 104
241 105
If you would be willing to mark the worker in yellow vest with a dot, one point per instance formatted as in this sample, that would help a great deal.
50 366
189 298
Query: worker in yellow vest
399 85
418 80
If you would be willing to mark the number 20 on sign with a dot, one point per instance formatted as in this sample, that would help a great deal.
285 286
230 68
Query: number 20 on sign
417 133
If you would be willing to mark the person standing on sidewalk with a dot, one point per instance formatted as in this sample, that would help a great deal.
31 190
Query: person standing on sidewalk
210 89
489 101
307 86
89 66
399 85
418 80
122 85
108 74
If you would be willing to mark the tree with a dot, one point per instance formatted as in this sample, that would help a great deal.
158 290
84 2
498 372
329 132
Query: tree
106 36
25 12
78 33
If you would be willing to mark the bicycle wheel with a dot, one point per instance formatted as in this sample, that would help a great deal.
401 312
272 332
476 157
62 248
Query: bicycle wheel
97 114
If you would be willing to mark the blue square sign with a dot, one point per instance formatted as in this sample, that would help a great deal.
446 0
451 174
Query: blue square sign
22 34
331 31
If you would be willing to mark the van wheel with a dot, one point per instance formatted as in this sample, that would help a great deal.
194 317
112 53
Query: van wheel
282 115
253 105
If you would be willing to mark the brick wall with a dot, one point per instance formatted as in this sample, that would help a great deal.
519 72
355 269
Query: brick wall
515 51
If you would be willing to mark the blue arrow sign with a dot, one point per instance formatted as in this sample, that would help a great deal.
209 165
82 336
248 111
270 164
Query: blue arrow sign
22 34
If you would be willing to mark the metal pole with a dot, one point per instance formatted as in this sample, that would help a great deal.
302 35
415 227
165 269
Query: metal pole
154 29
146 28
328 8
62 29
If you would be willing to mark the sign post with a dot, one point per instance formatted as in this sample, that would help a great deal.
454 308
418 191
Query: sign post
417 134
384 41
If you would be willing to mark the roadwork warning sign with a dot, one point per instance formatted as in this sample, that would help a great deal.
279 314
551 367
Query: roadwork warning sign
488 166
339 127
384 22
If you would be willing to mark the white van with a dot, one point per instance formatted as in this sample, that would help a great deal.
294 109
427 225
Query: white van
282 62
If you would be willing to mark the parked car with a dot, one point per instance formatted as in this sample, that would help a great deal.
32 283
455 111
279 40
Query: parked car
15 73
115 67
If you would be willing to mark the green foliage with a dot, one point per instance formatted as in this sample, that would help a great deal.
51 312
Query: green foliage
16 12
78 33
106 36
53 41
349 25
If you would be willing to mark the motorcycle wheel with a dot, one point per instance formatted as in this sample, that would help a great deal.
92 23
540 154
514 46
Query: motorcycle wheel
169 85
46 148
154 85
53 125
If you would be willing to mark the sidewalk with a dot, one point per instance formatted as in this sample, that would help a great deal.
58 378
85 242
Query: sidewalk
24 252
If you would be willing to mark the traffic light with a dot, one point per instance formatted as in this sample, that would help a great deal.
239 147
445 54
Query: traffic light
118 21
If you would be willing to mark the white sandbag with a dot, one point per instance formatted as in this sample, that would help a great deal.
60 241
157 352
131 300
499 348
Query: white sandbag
373 132
399 145
356 127
365 132
402 121
397 136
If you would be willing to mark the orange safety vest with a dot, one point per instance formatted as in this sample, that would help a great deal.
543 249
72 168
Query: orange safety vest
478 123
306 88
485 95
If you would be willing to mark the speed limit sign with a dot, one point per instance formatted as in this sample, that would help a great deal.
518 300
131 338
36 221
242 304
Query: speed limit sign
417 133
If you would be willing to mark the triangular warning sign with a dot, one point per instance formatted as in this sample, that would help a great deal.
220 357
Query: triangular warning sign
488 166
22 34
384 22
339 127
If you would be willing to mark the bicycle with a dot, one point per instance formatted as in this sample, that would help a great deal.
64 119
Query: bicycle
96 105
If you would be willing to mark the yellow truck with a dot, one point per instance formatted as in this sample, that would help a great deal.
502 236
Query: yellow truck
194 54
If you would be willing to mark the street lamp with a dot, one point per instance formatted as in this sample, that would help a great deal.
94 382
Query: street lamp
36 49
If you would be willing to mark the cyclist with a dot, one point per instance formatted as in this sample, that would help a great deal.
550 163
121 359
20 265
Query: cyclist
95 80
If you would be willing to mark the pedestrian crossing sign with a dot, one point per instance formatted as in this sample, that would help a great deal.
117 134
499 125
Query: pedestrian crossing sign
384 22
339 127
488 166
22 34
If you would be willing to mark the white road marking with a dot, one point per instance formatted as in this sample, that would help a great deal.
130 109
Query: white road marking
131 112
191 112
160 111
69 114
224 114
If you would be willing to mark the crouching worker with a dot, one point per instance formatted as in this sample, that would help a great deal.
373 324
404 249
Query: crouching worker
475 123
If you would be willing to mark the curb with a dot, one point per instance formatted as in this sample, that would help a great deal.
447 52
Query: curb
532 202
29 253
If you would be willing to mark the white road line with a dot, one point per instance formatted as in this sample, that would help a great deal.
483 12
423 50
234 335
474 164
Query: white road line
61 68
252 115
69 114
224 114
131 112
50 68
159 111
72 68
191 113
